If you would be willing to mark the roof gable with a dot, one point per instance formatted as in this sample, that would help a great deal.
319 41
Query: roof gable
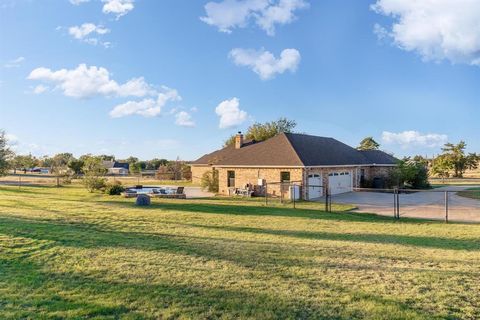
276 151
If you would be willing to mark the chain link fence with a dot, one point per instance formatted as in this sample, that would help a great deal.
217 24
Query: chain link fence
453 203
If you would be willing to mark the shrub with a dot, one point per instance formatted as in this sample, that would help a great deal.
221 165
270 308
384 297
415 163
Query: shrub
93 183
114 189
142 200
67 179
94 173
411 173
210 181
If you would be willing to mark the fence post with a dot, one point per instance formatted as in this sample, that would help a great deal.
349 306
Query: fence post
294 194
395 203
446 206
326 200
398 204
330 202
266 193
395 209
281 192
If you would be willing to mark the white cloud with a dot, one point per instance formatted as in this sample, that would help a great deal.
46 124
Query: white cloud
264 63
229 14
118 7
80 32
230 113
14 63
12 140
282 13
168 94
414 139
40 89
184 119
77 2
86 82
146 107
380 32
435 29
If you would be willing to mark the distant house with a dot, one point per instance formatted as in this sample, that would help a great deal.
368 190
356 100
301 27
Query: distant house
117 168
315 163
43 170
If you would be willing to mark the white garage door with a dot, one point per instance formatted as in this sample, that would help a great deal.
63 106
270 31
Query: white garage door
340 182
315 184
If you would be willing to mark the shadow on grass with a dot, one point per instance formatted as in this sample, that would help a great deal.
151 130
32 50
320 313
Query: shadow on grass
23 190
472 193
29 290
87 235
417 241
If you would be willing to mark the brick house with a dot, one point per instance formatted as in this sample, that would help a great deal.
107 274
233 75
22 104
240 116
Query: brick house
314 163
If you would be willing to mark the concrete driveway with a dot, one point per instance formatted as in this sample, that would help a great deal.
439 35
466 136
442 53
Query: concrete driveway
429 204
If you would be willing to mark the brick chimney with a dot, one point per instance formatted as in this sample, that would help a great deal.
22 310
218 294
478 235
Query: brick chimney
239 140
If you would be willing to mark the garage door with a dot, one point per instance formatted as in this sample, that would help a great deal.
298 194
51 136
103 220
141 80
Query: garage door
315 184
340 182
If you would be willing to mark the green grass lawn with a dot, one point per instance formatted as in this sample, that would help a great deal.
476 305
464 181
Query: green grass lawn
66 253
472 193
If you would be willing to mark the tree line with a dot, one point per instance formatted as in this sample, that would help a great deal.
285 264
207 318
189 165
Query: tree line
64 166
68 161
453 162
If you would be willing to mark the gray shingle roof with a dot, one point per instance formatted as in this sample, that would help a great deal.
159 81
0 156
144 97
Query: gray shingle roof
115 164
379 157
293 149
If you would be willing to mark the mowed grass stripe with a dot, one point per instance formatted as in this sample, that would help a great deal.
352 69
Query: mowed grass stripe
66 253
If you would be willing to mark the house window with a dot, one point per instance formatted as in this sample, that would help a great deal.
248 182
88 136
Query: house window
285 176
231 178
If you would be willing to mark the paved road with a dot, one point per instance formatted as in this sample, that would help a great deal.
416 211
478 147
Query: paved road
430 205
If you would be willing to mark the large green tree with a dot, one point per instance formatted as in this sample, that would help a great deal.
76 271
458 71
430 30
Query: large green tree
107 157
457 158
441 167
5 154
154 164
23 162
75 165
368 144
95 171
59 166
264 131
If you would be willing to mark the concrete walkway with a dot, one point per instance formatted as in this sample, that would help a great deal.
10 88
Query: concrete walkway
425 204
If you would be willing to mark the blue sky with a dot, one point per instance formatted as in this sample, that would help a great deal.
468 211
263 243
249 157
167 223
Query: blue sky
175 78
